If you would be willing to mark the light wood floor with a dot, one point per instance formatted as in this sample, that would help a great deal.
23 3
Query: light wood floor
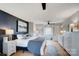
61 51
21 53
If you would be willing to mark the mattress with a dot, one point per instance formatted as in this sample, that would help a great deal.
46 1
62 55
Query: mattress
22 43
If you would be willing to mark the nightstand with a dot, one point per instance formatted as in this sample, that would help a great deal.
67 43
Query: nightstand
9 47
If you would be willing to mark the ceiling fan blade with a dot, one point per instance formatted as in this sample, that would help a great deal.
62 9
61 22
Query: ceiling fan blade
44 6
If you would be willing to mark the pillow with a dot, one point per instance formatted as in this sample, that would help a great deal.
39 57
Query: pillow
14 37
19 36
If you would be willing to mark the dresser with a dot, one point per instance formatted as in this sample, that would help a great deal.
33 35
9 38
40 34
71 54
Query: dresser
71 43
9 47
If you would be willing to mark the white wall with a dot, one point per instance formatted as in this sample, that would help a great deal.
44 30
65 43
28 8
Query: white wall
38 29
30 28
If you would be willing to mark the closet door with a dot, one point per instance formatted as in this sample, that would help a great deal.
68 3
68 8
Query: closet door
68 42
75 44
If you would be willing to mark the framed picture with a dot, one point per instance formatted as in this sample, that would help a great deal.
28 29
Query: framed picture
22 26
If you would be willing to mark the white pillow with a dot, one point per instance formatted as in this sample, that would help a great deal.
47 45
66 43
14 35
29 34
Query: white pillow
19 36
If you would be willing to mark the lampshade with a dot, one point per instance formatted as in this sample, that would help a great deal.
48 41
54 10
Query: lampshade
9 31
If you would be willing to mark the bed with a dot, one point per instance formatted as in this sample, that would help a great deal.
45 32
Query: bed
21 42
34 42
36 46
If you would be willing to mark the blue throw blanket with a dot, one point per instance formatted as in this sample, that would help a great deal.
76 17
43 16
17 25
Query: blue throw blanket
34 46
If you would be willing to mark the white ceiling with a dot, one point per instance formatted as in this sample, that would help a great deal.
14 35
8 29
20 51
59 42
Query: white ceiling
55 12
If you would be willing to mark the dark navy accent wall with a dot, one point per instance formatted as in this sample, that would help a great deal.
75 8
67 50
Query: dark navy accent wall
8 21
1 44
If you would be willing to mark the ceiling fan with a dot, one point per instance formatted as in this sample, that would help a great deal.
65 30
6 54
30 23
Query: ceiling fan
49 23
44 6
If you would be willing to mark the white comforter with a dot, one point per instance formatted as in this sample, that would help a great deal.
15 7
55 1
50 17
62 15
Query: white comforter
24 42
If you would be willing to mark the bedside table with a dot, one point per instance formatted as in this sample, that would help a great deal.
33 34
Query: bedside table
9 47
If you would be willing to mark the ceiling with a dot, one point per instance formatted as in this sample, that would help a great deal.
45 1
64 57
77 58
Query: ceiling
55 12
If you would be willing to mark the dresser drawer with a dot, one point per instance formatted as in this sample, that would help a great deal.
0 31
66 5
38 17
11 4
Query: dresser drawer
9 47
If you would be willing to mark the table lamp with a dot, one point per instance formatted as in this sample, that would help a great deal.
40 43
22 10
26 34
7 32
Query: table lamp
9 32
